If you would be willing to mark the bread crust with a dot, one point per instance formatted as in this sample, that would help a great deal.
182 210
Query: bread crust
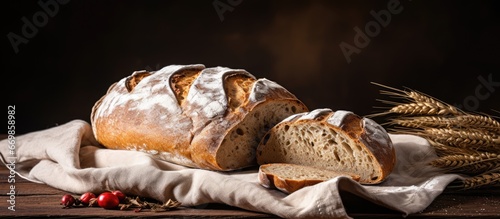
273 180
183 113
364 132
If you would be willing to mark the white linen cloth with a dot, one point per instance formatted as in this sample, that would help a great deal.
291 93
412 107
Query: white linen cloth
67 157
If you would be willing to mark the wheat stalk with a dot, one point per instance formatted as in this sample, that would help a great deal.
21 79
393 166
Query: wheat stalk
421 97
461 121
467 138
482 122
420 122
424 108
468 164
445 150
417 103
484 180
465 142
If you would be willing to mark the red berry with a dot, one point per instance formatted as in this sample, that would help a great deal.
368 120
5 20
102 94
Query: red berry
121 196
68 200
108 200
85 198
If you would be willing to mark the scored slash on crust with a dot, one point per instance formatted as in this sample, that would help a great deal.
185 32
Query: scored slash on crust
209 118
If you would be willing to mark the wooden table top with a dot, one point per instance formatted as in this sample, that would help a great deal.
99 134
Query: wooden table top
39 200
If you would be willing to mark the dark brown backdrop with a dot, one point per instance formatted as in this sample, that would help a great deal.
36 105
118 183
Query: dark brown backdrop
442 48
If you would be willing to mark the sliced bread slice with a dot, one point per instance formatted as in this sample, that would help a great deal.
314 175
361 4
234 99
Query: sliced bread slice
292 177
339 141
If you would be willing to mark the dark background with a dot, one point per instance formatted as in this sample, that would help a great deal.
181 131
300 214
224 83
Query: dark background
437 47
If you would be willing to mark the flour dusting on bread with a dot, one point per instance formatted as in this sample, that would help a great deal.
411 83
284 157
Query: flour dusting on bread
210 118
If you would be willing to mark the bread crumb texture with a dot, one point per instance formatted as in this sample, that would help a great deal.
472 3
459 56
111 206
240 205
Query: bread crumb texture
338 141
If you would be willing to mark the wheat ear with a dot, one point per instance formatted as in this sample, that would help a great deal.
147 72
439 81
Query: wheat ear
460 121
445 150
423 108
481 122
467 143
483 180
417 103
468 164
467 138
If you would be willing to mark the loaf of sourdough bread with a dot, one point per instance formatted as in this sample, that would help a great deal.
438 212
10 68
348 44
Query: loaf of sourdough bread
334 140
208 118
292 177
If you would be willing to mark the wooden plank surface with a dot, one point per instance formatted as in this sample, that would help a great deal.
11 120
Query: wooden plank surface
33 199
40 200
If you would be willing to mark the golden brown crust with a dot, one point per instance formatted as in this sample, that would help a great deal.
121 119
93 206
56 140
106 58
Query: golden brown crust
180 83
183 113
238 90
373 136
270 179
135 78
